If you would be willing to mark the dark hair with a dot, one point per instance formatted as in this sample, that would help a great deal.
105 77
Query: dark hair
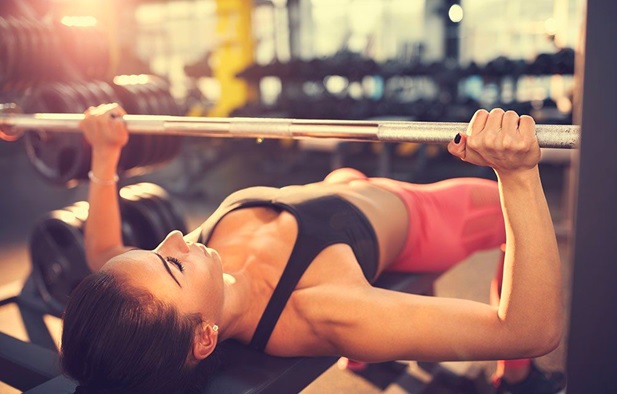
118 338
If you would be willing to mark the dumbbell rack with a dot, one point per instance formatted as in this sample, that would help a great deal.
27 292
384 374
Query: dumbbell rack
445 75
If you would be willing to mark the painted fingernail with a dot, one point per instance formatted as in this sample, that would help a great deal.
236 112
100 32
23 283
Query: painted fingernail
457 138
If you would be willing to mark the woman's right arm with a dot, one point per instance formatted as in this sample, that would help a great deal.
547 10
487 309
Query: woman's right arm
106 132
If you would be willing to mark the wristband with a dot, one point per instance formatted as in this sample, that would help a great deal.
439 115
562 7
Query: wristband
100 181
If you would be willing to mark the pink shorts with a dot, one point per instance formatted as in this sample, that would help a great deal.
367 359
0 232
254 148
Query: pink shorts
448 220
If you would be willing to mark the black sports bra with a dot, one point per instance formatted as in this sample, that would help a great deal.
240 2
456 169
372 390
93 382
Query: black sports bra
322 221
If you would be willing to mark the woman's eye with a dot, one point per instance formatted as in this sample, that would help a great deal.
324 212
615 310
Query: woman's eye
175 262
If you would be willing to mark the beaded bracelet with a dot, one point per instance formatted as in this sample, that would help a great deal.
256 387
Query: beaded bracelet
100 181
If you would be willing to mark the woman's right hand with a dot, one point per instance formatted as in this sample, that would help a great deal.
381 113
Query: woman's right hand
501 140
104 129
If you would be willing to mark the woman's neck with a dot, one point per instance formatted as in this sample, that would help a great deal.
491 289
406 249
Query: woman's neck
236 304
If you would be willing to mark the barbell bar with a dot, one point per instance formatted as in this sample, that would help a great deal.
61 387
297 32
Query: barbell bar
13 125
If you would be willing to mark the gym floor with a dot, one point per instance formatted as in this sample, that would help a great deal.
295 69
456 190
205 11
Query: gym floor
25 196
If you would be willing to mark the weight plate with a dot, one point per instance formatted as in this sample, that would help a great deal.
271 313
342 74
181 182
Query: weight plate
169 107
7 51
166 216
179 222
59 157
132 102
143 220
32 51
149 96
134 156
21 49
139 226
40 62
149 149
52 47
161 227
170 219
80 209
128 235
164 98
152 151
58 257
174 108
168 144
109 93
99 95
85 98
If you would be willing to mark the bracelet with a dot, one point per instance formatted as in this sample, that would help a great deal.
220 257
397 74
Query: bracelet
100 181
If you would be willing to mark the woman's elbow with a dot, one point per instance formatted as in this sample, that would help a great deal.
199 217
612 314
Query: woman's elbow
542 341
551 338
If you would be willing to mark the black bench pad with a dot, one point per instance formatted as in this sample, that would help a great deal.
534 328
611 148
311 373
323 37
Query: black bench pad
246 371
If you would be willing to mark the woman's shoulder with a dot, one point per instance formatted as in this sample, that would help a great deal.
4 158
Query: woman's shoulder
254 193
232 202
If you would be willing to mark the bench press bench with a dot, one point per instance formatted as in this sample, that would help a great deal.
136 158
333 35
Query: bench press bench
242 370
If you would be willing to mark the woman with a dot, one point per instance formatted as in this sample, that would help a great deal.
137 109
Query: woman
288 271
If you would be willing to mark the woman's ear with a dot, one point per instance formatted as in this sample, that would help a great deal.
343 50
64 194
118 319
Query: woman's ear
206 338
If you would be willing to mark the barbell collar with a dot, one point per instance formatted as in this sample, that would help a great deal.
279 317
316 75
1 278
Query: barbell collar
12 125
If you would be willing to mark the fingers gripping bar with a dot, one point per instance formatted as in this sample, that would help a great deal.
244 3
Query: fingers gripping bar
13 125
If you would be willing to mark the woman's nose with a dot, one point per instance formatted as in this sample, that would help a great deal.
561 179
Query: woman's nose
174 241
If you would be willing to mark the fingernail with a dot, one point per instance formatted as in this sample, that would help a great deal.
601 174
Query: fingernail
457 138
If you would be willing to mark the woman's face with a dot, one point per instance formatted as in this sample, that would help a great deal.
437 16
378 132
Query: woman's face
187 275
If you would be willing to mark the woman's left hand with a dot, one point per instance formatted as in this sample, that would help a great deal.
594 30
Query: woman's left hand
499 139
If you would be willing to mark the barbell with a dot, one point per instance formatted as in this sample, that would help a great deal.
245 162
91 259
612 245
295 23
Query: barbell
13 125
